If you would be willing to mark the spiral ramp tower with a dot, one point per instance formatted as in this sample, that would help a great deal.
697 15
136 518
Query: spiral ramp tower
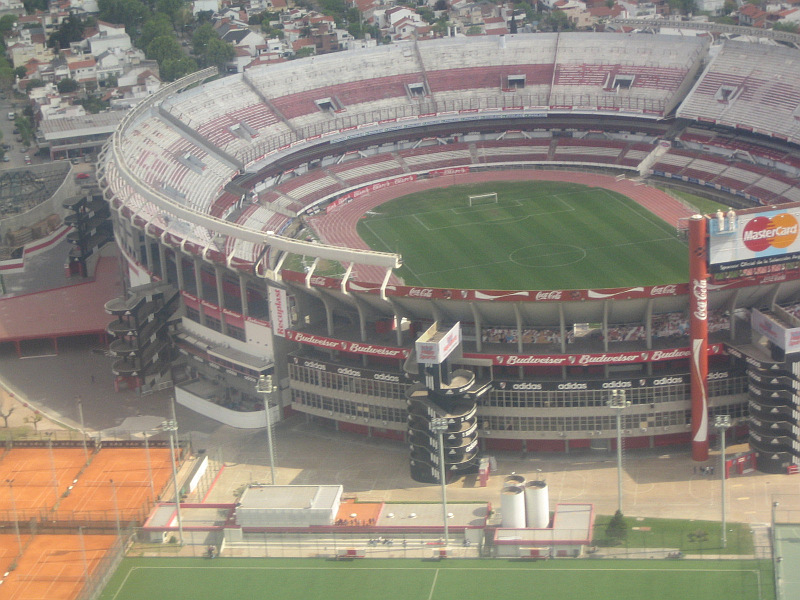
445 394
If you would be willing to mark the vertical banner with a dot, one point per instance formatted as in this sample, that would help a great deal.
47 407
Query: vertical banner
698 332
279 311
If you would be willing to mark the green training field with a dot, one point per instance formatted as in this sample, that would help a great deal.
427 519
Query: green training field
387 579
539 235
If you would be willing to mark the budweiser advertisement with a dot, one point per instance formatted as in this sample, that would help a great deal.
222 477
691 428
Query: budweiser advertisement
584 360
346 346
753 239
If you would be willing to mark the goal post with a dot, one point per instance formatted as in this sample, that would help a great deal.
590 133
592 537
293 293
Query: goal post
478 199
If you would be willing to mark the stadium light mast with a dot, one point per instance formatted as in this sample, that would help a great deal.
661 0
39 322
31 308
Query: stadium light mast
171 427
265 388
10 483
619 403
438 426
722 423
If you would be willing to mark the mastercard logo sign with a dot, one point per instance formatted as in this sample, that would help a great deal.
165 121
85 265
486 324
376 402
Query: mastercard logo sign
762 233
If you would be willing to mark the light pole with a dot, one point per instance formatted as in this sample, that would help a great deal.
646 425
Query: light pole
438 426
116 505
10 483
149 467
722 423
619 403
264 387
83 429
171 427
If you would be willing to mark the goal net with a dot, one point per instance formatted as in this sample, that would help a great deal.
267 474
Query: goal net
479 199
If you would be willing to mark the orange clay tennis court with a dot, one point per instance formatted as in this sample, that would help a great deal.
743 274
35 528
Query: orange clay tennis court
45 488
38 477
53 567
118 480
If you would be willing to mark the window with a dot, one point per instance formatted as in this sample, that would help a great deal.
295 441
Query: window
623 82
417 90
515 82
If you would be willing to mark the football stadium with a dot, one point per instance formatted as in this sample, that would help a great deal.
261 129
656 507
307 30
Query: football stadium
310 222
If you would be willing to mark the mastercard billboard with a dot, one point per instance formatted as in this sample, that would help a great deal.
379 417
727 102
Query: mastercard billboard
754 240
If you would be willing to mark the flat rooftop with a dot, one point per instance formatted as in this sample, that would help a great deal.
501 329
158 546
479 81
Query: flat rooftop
282 497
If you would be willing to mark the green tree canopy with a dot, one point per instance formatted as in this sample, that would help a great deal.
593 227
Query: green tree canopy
157 26
218 53
177 67
70 30
130 13
65 86
162 48
7 23
201 37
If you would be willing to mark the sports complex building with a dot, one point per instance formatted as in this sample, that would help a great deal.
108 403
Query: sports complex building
214 186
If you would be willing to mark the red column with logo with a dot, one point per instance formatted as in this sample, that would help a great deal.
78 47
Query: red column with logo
698 332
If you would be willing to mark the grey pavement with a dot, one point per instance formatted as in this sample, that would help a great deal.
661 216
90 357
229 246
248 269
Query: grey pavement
656 483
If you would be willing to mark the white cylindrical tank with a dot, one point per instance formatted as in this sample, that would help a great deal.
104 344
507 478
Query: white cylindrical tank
512 507
537 504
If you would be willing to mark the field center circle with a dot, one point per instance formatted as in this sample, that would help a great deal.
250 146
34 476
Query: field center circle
547 255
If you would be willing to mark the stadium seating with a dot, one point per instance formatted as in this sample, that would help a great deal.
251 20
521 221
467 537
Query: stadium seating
752 87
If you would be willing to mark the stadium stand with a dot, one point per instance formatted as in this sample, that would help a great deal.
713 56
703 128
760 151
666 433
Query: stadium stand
742 81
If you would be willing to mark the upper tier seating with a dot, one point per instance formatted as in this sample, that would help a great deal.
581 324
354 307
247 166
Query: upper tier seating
750 86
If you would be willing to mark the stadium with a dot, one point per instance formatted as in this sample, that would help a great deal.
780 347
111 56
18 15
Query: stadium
236 204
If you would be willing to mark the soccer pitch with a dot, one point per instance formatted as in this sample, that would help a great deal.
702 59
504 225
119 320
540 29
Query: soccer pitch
539 235
290 579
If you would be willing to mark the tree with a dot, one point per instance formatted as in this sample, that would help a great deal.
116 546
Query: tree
35 419
5 415
218 53
65 86
158 26
305 51
200 39
617 529
559 21
171 8
7 23
6 77
162 48
176 67
130 13
21 72
440 5
786 26
70 30
683 7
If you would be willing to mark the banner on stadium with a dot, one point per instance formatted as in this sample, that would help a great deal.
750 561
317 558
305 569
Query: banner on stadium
348 371
584 360
279 311
434 346
753 239
788 339
345 346
605 384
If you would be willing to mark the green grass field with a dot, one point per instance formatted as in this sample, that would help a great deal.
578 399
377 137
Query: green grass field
293 579
539 235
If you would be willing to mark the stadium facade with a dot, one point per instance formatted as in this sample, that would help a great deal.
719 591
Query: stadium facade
213 185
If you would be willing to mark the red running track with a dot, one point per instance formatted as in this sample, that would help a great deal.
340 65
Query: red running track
339 227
